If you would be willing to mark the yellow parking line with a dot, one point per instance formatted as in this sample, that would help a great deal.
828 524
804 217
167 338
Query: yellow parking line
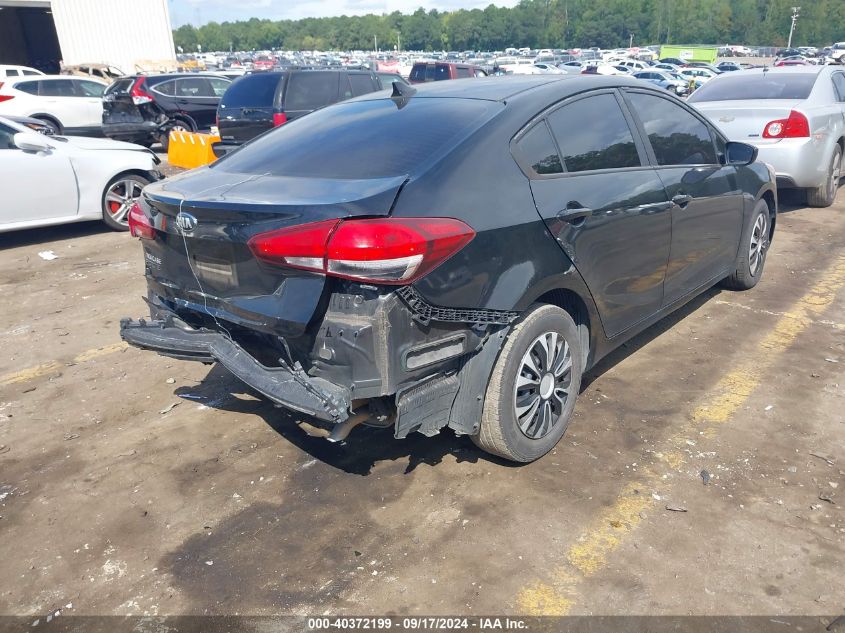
558 593
834 324
53 366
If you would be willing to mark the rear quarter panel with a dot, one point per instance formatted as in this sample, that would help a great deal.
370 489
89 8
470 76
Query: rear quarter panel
95 168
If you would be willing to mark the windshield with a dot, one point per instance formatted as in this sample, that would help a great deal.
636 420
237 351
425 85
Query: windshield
340 141
769 85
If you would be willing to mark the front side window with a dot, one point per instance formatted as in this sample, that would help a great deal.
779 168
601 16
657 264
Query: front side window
676 136
7 136
538 150
57 88
839 85
90 88
463 73
218 86
592 133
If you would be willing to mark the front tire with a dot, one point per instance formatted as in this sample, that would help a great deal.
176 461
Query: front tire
120 194
824 195
754 245
532 390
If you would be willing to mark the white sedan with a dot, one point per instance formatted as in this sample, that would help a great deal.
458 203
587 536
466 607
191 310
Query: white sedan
56 180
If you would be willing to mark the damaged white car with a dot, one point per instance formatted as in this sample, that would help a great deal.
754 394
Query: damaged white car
56 180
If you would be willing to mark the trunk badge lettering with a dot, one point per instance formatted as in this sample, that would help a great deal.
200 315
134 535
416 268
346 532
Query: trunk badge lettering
726 119
186 222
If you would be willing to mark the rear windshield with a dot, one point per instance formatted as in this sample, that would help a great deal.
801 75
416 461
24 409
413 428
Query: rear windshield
255 90
121 85
742 86
363 139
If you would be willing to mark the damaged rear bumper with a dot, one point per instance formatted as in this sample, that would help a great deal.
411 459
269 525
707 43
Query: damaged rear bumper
287 386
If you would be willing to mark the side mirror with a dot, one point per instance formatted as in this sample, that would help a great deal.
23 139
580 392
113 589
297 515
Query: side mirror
737 153
32 142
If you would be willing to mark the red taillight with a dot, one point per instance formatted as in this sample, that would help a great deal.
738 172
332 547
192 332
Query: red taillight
796 126
139 224
388 251
279 118
138 94
5 97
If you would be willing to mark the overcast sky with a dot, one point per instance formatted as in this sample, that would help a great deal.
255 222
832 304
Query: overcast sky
198 12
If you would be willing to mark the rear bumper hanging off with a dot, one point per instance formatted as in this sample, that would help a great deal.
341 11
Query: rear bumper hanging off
288 386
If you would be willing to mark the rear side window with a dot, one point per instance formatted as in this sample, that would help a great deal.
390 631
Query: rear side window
311 90
339 142
677 137
441 72
538 150
30 87
361 84
252 91
13 72
166 88
769 85
194 87
593 134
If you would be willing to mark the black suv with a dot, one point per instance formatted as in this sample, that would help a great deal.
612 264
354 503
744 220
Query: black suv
257 102
144 109
450 256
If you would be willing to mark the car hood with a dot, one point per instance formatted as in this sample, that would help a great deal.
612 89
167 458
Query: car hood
83 142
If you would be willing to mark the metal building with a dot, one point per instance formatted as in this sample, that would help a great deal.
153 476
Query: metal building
122 33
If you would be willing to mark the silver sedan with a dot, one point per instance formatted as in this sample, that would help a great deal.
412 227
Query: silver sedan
794 115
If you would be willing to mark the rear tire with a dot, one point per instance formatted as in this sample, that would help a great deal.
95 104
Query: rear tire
824 195
543 353
178 125
753 247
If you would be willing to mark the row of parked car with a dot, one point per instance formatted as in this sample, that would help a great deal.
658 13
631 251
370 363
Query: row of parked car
794 116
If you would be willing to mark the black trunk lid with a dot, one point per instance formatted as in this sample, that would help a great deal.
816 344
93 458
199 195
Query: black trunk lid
211 269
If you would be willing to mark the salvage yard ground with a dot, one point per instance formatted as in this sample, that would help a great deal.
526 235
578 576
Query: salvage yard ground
704 471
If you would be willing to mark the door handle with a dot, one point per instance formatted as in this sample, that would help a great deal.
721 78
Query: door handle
682 199
574 212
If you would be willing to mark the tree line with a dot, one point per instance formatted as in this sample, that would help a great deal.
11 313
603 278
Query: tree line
536 24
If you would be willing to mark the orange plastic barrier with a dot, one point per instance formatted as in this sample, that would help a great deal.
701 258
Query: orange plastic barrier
189 150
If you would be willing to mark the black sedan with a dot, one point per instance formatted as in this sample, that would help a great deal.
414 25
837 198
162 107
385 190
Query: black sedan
454 255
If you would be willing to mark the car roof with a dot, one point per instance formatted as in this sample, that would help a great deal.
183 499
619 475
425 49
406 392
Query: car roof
510 86
43 77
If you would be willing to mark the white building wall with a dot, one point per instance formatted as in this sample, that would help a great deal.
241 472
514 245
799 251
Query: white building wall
122 33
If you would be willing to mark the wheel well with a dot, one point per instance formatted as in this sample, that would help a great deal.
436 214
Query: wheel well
769 197
186 118
572 303
51 118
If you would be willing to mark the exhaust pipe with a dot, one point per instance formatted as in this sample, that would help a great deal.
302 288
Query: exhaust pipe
341 431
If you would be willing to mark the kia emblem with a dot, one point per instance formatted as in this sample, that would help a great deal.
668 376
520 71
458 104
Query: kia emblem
186 222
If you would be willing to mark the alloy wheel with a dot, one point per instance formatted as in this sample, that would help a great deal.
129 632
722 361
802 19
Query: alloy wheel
120 197
543 385
759 242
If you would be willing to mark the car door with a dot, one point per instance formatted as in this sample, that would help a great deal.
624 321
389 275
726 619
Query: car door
90 93
195 96
603 202
23 176
838 79
60 99
707 209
